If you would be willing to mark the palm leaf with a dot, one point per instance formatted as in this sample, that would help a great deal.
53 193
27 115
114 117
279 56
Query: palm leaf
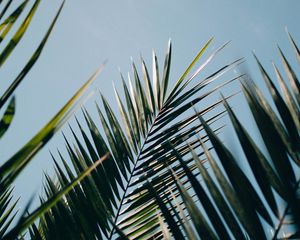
12 167
7 24
25 222
8 174
30 63
254 206
8 116
152 119
241 200
19 34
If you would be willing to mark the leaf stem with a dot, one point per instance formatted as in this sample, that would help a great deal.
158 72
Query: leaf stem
129 181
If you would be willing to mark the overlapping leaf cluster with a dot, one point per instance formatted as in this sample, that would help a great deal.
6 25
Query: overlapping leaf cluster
115 198
11 13
232 205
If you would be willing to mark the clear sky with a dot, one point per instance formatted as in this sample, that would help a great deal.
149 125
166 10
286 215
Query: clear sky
88 32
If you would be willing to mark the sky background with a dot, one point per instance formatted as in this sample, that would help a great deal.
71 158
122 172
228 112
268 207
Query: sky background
88 32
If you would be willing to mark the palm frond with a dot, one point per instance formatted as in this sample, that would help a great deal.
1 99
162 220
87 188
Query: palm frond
8 211
20 32
153 120
264 207
10 169
26 221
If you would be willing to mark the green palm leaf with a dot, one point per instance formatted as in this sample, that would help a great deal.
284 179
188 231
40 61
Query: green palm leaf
8 116
19 34
139 145
25 222
273 193
8 174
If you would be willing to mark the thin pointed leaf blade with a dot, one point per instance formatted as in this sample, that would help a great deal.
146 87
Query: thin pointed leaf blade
8 116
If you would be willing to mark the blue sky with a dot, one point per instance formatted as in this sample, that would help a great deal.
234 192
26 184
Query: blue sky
88 32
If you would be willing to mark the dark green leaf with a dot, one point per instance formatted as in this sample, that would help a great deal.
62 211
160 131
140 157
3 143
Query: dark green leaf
8 116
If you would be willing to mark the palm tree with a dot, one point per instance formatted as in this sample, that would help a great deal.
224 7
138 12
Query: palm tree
169 175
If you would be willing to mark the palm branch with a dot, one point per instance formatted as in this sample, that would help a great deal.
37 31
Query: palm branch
228 203
10 169
115 199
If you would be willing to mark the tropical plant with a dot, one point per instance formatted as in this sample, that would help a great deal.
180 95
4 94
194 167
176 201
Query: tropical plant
114 199
167 174
160 179
266 205
10 169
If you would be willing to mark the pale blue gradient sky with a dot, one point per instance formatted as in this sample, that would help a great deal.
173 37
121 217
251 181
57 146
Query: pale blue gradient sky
88 32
